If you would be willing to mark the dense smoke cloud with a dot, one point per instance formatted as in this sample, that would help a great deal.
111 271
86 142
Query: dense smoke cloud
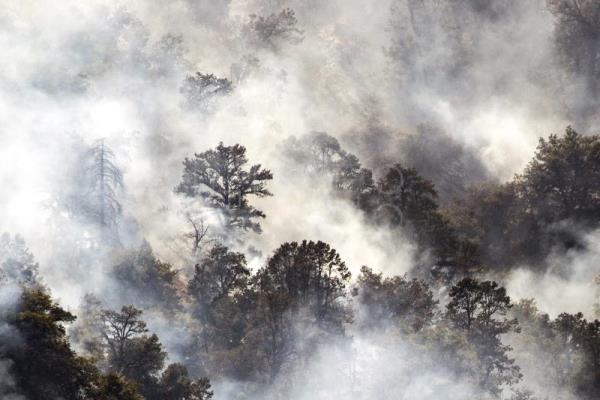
106 74
567 286
461 90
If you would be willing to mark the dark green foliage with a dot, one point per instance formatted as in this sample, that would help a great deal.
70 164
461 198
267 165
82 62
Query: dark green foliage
313 275
55 371
42 362
485 216
118 329
140 358
146 281
302 288
220 178
555 200
175 384
113 386
131 352
262 328
401 198
404 198
220 273
563 179
396 299
474 308
273 333
581 339
217 288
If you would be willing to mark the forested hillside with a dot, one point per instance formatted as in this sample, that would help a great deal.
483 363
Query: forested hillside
300 199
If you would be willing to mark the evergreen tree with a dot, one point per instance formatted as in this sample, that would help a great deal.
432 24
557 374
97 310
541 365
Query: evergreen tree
220 179
474 308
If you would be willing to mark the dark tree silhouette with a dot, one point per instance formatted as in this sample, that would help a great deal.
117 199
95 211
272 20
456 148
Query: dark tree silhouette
405 197
217 288
272 30
55 371
96 191
113 386
220 273
147 281
409 303
175 384
105 179
563 179
119 329
474 308
580 339
313 275
219 177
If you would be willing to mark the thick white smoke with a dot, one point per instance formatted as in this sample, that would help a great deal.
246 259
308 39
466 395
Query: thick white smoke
74 72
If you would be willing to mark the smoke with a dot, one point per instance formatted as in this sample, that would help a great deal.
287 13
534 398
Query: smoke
367 366
7 384
568 284
77 72
98 71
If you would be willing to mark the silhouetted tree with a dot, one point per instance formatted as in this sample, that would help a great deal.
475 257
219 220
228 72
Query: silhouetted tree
580 340
313 275
220 273
474 308
396 299
218 282
42 362
139 357
147 281
198 234
175 384
405 197
301 291
113 386
273 29
485 216
96 192
273 331
554 200
219 178
119 328
559 193
563 179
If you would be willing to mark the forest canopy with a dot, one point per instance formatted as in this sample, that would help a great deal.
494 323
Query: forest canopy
300 199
